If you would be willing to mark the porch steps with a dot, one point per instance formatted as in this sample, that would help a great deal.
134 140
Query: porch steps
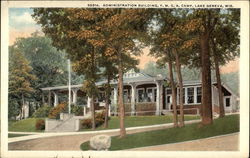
67 123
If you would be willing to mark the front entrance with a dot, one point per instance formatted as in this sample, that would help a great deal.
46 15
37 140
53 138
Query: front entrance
168 102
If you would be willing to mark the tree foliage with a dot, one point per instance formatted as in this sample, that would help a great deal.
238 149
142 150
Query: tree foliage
20 79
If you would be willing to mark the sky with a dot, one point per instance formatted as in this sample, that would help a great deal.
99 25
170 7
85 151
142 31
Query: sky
21 24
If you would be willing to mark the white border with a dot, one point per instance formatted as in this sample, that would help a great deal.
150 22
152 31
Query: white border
244 84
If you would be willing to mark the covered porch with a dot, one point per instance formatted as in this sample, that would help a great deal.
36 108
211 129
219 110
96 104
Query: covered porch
143 95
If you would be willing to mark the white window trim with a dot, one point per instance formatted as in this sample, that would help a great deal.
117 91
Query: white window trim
186 95
196 87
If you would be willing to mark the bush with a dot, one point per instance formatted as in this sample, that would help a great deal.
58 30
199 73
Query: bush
77 110
87 123
40 124
99 120
55 112
42 111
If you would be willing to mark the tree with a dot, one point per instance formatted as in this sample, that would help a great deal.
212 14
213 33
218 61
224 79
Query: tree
20 78
153 69
201 26
48 64
123 27
225 46
174 40
90 31
165 44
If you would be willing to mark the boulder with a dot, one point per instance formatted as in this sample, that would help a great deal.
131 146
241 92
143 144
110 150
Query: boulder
100 142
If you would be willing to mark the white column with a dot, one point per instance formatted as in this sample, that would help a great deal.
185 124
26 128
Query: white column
88 102
158 97
55 99
84 110
133 89
109 111
115 99
69 86
195 95
74 96
186 95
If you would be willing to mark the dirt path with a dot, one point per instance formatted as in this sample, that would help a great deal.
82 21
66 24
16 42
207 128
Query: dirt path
68 142
220 143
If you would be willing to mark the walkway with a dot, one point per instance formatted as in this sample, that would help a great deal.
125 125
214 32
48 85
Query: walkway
228 142
70 140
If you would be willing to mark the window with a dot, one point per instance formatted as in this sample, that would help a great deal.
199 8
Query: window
198 97
149 95
190 95
227 102
125 96
101 97
140 95
169 91
168 99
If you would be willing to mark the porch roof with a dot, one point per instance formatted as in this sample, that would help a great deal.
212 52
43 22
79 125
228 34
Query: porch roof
127 79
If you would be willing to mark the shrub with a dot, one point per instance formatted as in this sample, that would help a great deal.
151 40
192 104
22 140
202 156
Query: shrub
40 124
42 111
99 120
77 110
87 123
55 112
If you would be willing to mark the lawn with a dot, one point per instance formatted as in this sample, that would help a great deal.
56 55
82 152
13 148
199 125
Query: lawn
10 135
226 125
26 125
134 121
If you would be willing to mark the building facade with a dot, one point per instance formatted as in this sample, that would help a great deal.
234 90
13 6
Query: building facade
145 95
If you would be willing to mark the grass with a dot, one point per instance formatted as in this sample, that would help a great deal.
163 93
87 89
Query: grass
26 125
134 121
221 126
10 135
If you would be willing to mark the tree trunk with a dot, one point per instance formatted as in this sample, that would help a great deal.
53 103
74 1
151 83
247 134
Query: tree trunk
174 103
207 117
107 96
218 79
92 106
22 108
180 83
120 98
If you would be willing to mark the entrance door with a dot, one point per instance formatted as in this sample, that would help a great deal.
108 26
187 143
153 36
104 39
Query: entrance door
168 102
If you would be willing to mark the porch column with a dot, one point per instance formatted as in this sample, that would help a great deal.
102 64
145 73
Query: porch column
55 99
195 94
84 110
74 96
49 98
115 99
186 95
133 89
88 102
158 97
